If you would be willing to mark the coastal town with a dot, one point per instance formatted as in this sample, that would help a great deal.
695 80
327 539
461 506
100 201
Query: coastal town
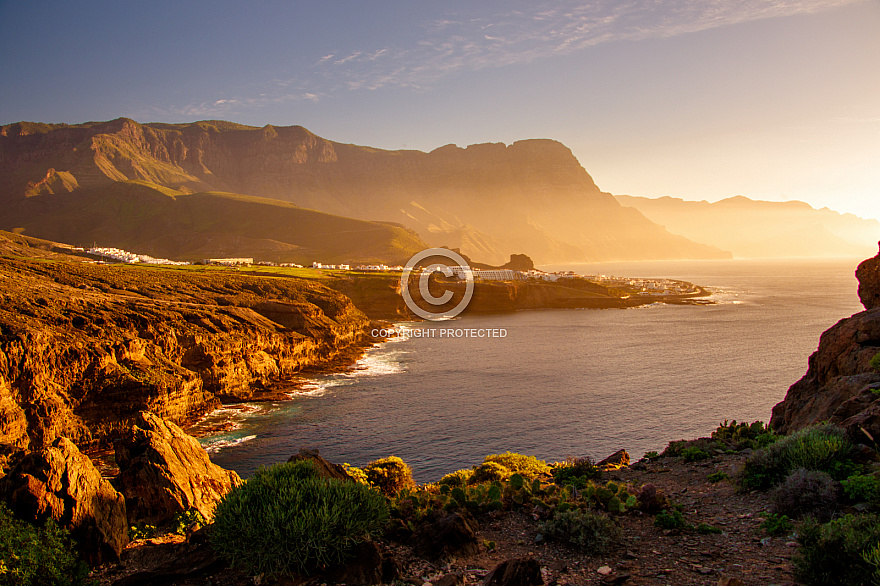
634 286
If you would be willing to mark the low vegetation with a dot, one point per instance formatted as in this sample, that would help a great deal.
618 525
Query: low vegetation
591 532
31 555
286 520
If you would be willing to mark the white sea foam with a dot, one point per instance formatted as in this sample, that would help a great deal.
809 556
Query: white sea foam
214 446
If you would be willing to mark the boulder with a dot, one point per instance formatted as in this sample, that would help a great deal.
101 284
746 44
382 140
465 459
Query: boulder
515 572
61 482
618 459
449 536
164 472
868 274
325 469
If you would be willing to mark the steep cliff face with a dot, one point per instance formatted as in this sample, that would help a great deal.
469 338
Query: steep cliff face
841 385
488 199
84 348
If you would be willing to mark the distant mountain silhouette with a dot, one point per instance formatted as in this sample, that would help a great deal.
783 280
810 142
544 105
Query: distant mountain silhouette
489 200
755 229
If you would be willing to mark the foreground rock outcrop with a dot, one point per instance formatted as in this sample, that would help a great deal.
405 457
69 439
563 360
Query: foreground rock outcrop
61 483
841 385
164 472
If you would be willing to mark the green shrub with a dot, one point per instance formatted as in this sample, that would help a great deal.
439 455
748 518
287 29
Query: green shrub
37 556
862 488
806 492
822 447
706 529
592 532
286 520
390 475
576 471
693 454
776 524
457 478
834 553
717 477
651 455
816 448
528 466
875 362
670 519
489 472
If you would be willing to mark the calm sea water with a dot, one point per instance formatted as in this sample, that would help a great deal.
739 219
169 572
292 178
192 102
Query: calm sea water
564 382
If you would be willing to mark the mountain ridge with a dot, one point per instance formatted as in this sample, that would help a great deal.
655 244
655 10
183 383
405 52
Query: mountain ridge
490 199
760 229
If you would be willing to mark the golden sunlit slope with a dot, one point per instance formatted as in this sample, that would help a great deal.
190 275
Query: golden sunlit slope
491 200
762 229
148 219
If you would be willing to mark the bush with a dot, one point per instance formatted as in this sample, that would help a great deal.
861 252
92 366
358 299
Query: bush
390 475
775 524
716 477
592 532
806 492
576 472
875 362
671 519
528 466
706 529
693 454
287 520
822 447
489 472
739 431
356 473
31 555
861 488
834 553
457 478
815 448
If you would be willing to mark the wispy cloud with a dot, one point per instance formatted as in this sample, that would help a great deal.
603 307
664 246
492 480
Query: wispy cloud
543 30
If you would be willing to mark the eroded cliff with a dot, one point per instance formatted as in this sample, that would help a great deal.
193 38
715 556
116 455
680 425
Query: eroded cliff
85 347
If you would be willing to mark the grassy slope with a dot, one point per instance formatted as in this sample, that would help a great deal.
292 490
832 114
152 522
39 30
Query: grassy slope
155 220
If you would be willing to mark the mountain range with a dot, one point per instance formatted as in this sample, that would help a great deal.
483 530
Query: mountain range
761 229
217 188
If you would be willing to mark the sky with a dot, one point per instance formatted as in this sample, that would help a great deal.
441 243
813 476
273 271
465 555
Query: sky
698 99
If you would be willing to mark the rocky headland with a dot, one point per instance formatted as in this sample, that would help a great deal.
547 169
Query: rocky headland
842 383
85 347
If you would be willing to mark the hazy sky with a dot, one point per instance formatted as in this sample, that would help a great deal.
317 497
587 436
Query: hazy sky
700 99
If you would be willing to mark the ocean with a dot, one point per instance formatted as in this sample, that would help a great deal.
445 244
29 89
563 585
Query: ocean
561 383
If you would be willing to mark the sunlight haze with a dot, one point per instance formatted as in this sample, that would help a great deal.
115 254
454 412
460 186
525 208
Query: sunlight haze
696 100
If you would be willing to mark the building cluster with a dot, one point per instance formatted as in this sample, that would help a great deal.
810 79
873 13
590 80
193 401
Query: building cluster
646 286
120 255
318 265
